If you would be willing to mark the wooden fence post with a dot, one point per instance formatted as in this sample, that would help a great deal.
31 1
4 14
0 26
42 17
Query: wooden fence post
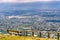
33 33
40 34
26 33
48 34
58 35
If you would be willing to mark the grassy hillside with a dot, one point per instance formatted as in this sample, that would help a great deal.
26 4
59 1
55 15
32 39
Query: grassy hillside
10 37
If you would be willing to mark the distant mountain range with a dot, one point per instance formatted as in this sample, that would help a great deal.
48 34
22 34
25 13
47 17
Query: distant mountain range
33 8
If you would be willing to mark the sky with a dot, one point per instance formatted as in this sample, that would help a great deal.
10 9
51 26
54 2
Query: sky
25 0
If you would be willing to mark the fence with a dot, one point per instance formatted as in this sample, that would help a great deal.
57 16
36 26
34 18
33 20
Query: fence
33 32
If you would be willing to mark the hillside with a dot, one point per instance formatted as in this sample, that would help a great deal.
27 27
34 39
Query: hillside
9 37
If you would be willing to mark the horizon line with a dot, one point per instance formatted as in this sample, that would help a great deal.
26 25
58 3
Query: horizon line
30 2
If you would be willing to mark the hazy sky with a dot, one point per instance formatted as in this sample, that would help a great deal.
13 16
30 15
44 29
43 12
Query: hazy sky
25 0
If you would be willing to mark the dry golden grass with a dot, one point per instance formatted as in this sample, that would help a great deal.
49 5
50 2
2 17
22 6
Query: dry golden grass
10 37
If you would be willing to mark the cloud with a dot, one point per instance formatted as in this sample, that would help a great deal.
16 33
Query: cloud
19 17
23 0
